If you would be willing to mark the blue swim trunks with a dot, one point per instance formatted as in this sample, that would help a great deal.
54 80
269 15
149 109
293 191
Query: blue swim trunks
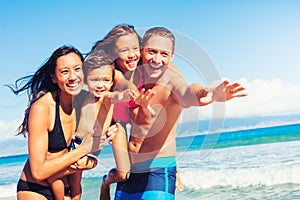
150 180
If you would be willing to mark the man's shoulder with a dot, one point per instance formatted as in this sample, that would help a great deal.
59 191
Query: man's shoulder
171 76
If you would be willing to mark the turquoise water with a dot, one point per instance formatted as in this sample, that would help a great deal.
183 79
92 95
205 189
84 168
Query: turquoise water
260 163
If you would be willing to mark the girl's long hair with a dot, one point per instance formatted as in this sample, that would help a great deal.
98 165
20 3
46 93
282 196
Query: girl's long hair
40 82
107 44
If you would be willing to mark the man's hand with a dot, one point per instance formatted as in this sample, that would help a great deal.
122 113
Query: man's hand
223 92
226 91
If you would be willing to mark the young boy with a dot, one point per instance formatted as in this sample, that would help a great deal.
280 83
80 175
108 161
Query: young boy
95 114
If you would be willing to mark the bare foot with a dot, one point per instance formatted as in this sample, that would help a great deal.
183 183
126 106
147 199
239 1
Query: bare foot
104 190
179 185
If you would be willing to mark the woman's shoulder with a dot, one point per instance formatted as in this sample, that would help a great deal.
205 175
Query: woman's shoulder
44 103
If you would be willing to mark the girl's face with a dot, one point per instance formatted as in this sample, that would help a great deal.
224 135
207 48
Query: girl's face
127 50
69 74
100 80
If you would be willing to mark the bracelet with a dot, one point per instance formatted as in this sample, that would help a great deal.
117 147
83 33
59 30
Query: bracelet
152 112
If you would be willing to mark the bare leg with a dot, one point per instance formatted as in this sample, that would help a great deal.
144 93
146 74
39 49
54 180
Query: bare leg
75 184
104 189
179 183
121 173
58 188
113 176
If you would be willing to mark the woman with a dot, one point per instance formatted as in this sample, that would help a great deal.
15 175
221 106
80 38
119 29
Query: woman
50 121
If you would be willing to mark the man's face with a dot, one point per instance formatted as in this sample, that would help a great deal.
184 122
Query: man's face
156 55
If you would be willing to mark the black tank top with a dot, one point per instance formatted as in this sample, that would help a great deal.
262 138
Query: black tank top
56 137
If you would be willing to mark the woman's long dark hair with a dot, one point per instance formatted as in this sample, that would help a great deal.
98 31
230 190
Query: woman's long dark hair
40 82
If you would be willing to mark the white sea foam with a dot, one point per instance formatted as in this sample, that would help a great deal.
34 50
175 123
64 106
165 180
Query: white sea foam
8 191
202 179
267 164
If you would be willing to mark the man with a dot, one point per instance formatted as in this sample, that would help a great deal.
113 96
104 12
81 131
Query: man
152 145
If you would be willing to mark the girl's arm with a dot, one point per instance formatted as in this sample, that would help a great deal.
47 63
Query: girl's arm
122 83
120 150
143 113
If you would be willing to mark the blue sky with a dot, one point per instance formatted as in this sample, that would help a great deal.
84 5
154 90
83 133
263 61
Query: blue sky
255 42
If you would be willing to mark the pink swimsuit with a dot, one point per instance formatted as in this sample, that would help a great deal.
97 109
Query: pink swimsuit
120 112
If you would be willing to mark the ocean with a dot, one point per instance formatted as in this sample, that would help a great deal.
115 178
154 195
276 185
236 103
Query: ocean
253 163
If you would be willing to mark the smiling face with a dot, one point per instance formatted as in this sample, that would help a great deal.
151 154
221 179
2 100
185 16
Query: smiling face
156 55
100 80
127 50
69 74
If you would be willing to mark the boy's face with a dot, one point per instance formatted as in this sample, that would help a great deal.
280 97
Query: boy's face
156 55
100 80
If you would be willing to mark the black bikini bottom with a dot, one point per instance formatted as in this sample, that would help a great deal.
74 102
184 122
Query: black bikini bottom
37 188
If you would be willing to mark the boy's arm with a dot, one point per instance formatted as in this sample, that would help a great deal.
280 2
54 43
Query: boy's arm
120 96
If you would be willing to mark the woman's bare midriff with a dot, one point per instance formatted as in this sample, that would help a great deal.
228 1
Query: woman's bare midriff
27 176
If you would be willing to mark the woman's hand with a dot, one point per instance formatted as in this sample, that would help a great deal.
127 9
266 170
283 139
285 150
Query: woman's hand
85 163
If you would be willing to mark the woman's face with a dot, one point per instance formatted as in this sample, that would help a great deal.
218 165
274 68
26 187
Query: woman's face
100 80
127 50
69 74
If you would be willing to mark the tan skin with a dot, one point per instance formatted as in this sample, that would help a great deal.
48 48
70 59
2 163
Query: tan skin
99 81
43 164
95 118
127 52
157 138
